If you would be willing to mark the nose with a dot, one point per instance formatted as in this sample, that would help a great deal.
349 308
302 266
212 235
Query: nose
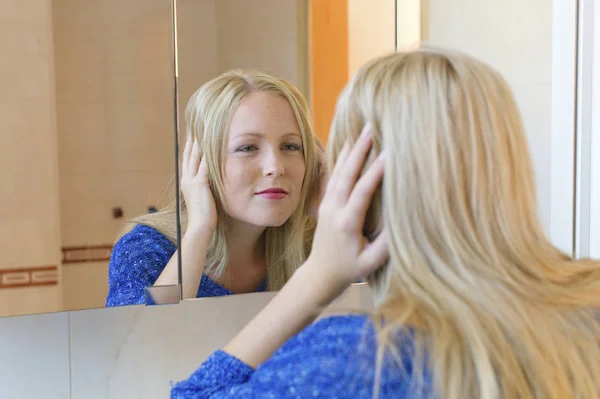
273 164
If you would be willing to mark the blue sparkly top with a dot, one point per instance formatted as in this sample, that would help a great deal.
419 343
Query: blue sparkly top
333 358
136 262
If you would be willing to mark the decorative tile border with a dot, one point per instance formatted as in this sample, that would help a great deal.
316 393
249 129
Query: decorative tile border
86 253
33 276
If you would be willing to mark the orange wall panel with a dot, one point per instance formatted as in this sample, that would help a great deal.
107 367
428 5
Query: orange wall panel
328 38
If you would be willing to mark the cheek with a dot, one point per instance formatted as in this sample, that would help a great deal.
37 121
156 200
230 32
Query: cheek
297 170
239 175
233 176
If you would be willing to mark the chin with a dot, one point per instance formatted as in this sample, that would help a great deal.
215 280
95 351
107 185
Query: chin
270 221
273 222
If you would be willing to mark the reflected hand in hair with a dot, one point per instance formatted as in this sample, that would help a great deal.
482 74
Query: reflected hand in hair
341 255
199 200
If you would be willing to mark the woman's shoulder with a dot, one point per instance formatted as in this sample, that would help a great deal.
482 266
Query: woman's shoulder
339 336
143 238
143 246
348 325
338 354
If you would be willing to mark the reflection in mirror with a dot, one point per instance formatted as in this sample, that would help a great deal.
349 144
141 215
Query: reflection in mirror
250 182
90 147
162 295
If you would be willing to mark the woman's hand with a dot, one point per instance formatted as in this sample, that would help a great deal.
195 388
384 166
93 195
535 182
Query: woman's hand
341 254
200 203
316 195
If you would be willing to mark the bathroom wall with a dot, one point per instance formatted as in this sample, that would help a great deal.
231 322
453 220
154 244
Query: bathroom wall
114 95
30 268
516 38
197 49
371 31
214 36
127 352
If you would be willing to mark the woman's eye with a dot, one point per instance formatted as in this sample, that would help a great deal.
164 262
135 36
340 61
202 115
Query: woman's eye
291 147
247 148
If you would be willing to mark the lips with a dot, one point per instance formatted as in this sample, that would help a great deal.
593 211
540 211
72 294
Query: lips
272 193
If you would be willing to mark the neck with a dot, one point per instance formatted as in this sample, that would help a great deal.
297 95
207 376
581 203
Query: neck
246 244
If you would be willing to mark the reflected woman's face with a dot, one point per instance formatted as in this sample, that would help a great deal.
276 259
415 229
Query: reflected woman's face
264 161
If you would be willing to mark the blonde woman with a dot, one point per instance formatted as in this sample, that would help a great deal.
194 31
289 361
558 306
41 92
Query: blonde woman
249 179
473 301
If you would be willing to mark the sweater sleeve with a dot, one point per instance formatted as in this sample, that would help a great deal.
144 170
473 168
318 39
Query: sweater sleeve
136 262
327 360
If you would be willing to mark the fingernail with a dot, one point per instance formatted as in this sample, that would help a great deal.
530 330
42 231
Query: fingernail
366 130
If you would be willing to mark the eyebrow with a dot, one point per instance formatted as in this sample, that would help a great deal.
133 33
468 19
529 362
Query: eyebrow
252 134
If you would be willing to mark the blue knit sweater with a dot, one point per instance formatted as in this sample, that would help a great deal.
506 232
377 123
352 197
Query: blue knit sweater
136 262
333 358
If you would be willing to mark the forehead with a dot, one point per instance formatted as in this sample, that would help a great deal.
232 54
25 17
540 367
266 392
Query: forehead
263 113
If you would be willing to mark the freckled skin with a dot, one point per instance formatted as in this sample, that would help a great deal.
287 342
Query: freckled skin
263 150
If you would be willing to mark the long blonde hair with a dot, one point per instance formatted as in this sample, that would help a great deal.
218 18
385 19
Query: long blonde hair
208 116
495 309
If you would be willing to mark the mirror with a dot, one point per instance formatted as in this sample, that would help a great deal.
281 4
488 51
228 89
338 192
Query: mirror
316 46
162 295
90 132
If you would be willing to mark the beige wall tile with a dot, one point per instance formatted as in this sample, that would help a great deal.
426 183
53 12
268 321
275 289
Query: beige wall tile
32 13
86 213
257 18
83 142
272 54
85 285
30 231
197 49
27 59
261 34
81 65
135 191
31 300
115 123
140 136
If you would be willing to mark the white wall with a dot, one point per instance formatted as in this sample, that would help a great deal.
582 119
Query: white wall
370 31
595 194
587 243
409 22
533 48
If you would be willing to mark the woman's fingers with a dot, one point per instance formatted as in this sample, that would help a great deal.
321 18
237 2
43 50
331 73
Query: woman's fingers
352 166
336 169
362 193
374 255
203 170
195 159
186 155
